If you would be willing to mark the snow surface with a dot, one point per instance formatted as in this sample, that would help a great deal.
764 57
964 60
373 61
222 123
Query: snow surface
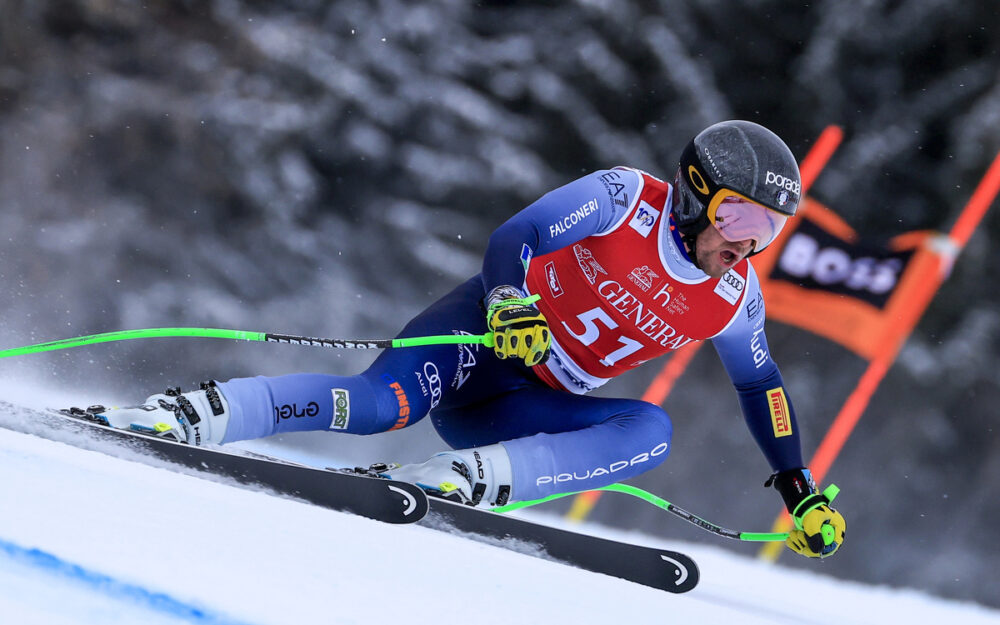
89 538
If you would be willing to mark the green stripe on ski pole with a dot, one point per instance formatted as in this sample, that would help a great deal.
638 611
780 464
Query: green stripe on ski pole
660 503
244 335
447 339
125 335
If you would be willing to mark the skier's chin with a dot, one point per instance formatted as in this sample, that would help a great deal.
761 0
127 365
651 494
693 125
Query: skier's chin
716 264
716 272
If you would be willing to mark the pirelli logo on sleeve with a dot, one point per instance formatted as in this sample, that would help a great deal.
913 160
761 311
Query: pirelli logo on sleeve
781 420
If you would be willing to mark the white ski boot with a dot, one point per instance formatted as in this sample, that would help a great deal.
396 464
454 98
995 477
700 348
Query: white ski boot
470 476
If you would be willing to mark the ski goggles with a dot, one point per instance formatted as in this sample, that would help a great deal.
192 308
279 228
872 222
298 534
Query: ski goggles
738 218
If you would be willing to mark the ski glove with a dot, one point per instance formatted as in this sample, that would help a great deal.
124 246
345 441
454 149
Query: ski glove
519 329
197 417
819 529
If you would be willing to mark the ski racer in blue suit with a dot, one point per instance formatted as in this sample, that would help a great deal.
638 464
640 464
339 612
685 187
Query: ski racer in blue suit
591 280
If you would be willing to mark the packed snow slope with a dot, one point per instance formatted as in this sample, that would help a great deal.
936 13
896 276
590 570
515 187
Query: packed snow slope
90 538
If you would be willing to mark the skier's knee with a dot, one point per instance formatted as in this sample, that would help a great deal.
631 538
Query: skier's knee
651 425
660 429
659 419
648 418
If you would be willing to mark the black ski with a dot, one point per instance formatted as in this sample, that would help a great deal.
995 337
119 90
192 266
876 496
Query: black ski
360 493
372 497
659 568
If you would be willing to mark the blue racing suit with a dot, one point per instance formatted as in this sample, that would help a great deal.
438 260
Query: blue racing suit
557 441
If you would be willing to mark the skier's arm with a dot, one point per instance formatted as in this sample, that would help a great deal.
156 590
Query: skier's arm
589 205
766 405
819 528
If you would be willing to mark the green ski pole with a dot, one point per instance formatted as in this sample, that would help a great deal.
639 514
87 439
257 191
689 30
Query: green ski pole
665 505
266 337
243 335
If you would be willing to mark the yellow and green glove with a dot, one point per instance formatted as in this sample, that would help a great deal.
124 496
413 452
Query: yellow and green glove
519 329
819 529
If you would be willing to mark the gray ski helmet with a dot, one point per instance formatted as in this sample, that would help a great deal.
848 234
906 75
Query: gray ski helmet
740 156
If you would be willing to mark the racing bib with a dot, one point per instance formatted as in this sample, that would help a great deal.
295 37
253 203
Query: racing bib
611 302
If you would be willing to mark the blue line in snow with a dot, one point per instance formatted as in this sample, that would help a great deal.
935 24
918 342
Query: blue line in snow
111 587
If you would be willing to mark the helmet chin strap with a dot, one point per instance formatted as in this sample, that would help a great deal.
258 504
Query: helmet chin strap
691 243
689 236
688 231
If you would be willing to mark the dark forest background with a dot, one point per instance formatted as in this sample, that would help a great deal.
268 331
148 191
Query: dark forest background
330 168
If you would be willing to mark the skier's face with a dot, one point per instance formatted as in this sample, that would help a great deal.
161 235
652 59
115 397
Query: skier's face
716 255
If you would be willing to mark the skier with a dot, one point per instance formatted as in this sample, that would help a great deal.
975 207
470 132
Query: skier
626 268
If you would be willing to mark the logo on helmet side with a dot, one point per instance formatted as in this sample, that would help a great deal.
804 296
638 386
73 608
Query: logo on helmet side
789 184
697 180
